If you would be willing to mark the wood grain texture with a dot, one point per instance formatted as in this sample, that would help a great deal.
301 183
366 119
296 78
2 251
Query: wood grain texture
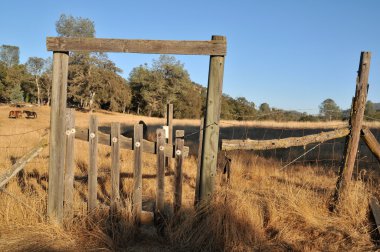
115 165
126 143
211 125
178 171
137 173
213 47
375 209
93 135
57 136
69 164
284 142
355 124
160 185
371 142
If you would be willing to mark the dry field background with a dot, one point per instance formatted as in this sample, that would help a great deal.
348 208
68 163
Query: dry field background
263 208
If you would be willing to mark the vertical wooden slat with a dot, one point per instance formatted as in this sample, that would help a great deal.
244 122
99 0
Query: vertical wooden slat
115 166
57 136
211 125
169 123
356 121
197 181
179 143
69 164
160 189
93 158
137 173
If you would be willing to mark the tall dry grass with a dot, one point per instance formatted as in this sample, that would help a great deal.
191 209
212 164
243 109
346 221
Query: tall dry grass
262 208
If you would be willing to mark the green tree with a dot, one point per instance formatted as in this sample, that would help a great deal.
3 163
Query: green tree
35 67
370 110
69 26
330 110
9 55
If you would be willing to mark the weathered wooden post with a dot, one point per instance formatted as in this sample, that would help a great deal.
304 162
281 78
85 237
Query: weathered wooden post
160 188
197 180
69 164
178 173
57 136
93 168
115 165
371 142
137 173
355 124
211 125
169 123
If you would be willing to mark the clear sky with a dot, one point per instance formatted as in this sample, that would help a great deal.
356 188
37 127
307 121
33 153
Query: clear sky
291 54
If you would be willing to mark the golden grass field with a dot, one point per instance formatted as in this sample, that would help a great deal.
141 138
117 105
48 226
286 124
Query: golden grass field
263 208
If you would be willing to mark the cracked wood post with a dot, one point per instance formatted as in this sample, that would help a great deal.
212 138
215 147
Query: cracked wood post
57 136
160 180
93 168
355 124
69 164
211 125
197 180
115 166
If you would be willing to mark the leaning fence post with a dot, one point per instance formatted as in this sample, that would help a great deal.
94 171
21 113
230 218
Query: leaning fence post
211 125
355 124
160 188
57 136
179 143
115 165
137 174
69 164
93 157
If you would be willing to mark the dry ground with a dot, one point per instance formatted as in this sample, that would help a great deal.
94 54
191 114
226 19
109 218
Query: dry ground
263 208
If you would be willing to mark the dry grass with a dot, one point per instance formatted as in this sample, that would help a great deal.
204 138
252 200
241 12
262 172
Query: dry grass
263 208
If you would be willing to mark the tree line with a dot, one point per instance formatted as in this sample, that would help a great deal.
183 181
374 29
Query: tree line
95 82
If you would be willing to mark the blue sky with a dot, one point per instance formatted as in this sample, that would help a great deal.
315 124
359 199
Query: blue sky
291 54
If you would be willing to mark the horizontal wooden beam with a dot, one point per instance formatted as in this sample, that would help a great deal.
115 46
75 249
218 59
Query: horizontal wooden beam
371 142
283 143
211 47
375 209
126 143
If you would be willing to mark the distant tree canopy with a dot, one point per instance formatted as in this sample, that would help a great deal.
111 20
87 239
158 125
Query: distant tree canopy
329 110
9 55
166 81
94 81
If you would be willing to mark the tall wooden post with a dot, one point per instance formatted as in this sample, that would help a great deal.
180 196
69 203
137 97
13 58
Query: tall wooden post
160 188
178 170
356 120
57 136
69 164
115 165
199 163
93 160
137 173
169 123
211 125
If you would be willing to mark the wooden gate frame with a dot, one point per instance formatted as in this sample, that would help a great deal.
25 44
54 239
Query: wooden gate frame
216 48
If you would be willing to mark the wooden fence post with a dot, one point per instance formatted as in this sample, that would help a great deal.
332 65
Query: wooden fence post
169 123
93 158
355 125
179 143
57 136
160 188
69 165
137 173
115 166
197 181
211 125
